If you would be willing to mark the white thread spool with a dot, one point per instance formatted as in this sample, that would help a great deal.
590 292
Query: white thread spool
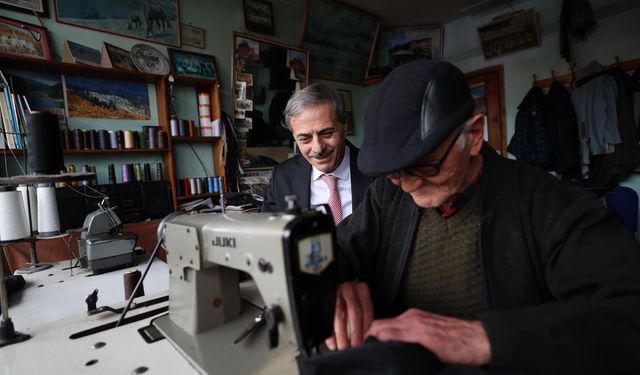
33 203
48 220
13 219
204 112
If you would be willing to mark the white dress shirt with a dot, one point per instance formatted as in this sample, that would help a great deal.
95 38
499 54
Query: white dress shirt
320 191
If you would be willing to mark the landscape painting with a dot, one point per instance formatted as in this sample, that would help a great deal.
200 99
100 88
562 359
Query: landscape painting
42 90
152 20
103 98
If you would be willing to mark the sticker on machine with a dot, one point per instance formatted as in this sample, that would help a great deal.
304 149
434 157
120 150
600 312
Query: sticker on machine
315 253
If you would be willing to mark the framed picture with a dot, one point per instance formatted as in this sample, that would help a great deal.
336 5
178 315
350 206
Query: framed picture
340 40
348 106
156 21
192 64
116 57
27 6
191 36
511 33
258 16
396 46
24 39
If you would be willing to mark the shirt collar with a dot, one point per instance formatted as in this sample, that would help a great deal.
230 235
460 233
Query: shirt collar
343 172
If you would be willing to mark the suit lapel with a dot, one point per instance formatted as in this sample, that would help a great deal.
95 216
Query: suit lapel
359 182
301 181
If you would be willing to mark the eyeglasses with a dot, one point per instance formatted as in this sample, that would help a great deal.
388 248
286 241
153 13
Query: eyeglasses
427 169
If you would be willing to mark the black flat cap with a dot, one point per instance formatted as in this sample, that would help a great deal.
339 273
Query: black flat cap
411 113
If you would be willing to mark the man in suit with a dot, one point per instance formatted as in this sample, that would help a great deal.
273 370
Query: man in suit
316 117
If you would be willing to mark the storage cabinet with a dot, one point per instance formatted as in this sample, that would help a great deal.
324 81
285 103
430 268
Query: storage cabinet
160 83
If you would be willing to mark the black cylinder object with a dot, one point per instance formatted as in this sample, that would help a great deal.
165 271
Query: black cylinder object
44 149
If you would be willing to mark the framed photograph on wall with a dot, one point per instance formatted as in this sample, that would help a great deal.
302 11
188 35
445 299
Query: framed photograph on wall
258 16
27 6
191 36
192 64
156 21
396 46
340 40
23 39
348 107
510 33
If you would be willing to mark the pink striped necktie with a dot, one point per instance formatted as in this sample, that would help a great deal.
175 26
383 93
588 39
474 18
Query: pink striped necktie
334 197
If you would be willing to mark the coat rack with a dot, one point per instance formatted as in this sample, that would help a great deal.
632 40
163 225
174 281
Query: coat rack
567 78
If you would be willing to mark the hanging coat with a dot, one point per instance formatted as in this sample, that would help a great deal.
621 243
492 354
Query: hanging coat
530 141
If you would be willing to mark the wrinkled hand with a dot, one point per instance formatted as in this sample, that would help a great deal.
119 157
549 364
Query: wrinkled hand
353 315
453 341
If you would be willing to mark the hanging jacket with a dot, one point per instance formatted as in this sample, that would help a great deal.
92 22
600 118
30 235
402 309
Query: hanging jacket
530 142
562 129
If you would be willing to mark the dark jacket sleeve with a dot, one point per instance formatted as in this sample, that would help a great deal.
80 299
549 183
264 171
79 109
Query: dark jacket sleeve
587 320
270 202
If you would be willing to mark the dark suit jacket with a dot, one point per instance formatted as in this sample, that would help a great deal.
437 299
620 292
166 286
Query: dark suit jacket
293 176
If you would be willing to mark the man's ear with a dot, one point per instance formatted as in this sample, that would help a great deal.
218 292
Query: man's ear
475 133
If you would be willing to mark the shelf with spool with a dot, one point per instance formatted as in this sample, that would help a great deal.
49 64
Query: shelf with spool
210 87
102 151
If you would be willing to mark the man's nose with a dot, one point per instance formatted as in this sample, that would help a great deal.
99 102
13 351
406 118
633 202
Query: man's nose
317 145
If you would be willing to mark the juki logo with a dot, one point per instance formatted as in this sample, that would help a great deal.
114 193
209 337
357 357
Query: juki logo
224 242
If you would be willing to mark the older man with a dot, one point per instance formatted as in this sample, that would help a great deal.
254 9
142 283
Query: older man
484 261
325 171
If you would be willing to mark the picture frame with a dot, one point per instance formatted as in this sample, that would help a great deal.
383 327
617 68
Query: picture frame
193 64
397 46
117 58
128 18
24 39
341 40
27 6
348 106
191 36
258 16
511 33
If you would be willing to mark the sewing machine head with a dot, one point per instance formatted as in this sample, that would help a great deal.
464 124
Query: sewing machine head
291 260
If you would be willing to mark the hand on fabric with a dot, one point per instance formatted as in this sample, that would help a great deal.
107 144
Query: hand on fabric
453 341
353 315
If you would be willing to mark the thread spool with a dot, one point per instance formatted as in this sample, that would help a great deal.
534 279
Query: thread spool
120 139
85 169
216 184
159 174
86 139
146 177
193 185
48 220
44 151
140 140
111 173
152 136
137 171
113 139
130 280
221 184
72 169
13 219
103 139
192 128
127 173
93 139
186 187
215 128
163 140
204 113
174 127
128 139
94 180
183 127
210 184
30 201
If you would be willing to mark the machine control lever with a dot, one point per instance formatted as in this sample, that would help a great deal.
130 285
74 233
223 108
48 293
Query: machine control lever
274 316
257 321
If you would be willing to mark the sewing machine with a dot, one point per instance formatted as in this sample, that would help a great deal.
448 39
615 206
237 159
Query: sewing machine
102 245
291 259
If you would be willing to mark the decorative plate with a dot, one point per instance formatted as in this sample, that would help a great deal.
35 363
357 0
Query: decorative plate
149 60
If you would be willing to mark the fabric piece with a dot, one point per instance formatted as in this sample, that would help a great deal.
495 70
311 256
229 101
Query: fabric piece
334 197
444 275
562 128
530 142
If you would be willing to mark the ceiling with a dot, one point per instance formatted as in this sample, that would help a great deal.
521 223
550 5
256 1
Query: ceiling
422 12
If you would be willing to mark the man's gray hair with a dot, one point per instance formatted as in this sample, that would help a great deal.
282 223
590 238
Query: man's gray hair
313 95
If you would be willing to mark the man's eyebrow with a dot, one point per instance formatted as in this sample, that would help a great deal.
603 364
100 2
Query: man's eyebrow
323 130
